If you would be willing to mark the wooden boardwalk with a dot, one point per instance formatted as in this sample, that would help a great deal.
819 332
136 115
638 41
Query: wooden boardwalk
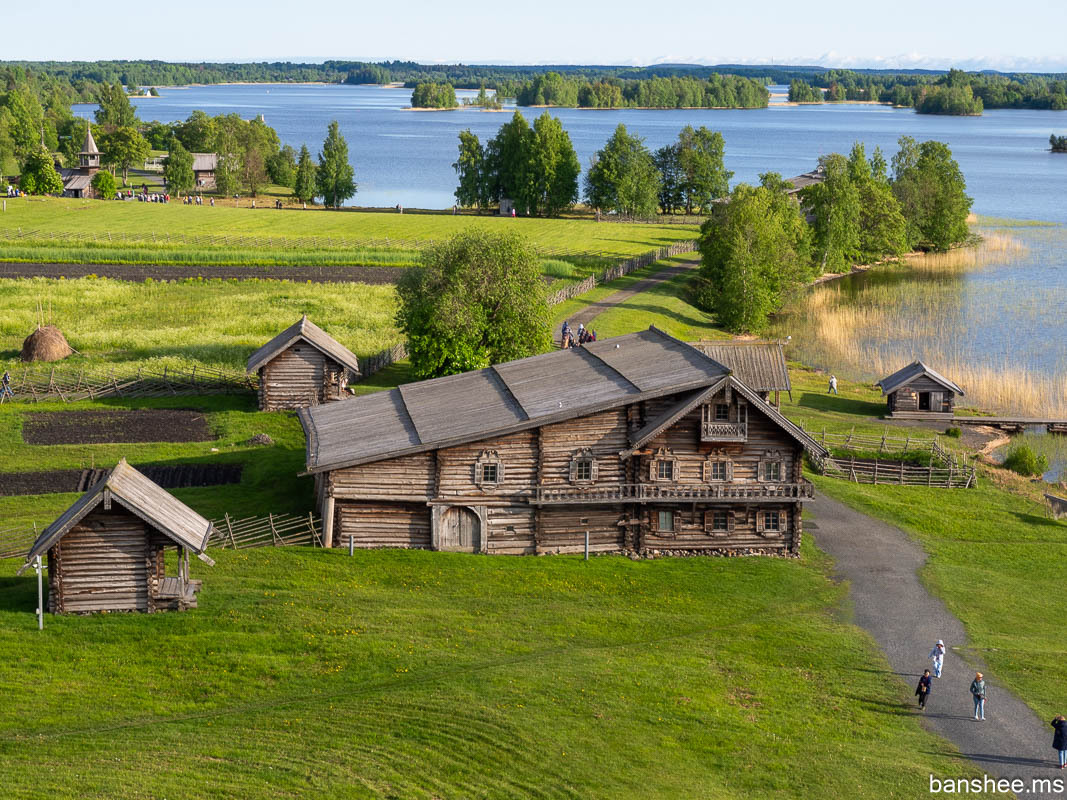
1016 424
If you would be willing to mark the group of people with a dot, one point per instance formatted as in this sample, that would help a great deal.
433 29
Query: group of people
14 191
571 338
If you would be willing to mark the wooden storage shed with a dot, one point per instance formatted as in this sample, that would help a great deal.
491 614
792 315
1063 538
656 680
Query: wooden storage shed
302 366
106 552
918 392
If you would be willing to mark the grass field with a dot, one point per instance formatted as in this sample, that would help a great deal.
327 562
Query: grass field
397 674
101 232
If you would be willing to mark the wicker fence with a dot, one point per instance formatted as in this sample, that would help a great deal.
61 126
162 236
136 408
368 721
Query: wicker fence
36 383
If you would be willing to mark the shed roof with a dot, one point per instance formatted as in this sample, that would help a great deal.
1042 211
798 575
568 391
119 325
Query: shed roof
75 182
503 399
911 372
759 365
140 496
312 334
205 162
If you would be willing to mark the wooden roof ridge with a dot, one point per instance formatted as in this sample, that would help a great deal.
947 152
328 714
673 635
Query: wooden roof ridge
587 354
759 363
670 416
312 334
505 389
893 382
141 497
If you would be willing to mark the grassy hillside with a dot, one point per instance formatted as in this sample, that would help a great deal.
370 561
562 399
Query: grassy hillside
112 232
395 674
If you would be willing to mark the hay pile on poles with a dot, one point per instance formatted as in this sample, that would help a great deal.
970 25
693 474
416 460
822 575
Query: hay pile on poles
47 343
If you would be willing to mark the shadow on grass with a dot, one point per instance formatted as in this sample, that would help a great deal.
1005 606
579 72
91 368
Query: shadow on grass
842 405
19 594
881 706
1034 519
990 758
691 321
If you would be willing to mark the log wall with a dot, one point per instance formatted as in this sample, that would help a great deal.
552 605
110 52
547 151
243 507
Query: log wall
382 524
517 453
562 530
297 378
405 478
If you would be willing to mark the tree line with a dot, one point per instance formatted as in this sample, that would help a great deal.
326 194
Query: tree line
716 91
1058 144
536 168
764 243
434 95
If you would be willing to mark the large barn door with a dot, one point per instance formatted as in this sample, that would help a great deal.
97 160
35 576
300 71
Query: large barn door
460 531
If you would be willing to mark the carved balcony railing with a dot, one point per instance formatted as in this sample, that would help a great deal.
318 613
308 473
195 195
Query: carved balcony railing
712 431
672 492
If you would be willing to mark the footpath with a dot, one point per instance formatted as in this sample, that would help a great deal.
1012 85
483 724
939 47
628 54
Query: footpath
882 564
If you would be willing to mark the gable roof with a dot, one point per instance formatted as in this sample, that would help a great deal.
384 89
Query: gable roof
759 365
817 175
312 334
76 182
911 372
502 399
205 162
143 498
687 404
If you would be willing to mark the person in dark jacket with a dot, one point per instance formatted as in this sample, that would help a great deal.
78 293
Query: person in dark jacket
1059 740
922 691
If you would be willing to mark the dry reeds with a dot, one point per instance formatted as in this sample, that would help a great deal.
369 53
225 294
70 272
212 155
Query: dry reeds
995 248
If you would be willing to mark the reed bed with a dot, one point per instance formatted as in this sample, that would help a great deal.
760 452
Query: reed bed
996 249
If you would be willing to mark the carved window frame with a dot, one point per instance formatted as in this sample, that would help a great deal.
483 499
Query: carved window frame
488 458
718 457
777 458
709 522
781 518
578 458
663 456
715 408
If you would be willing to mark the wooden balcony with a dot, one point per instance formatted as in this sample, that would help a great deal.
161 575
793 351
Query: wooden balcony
672 493
712 431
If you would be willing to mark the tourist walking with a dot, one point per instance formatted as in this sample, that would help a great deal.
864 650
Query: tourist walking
937 655
565 337
833 385
1059 740
978 693
922 691
5 386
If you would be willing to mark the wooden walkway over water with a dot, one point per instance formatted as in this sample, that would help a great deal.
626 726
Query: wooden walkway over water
1015 424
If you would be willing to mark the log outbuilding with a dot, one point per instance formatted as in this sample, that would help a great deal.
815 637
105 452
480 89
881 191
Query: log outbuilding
918 392
302 366
106 552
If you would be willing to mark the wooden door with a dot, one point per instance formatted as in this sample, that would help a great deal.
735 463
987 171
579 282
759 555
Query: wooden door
460 531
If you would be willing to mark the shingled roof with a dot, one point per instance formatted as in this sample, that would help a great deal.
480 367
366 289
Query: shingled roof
312 334
759 365
507 398
910 373
132 490
205 162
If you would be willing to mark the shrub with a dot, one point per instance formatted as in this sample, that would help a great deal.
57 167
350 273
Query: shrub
104 185
557 269
955 433
1022 459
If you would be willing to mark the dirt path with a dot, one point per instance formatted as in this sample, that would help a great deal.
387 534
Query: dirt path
882 563
586 315
139 272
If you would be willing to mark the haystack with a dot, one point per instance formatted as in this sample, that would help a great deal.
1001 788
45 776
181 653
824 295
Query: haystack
46 344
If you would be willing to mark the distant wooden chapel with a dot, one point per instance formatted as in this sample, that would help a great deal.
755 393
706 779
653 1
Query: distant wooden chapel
918 392
106 552
77 181
302 366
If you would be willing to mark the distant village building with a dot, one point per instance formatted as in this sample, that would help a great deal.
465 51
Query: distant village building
106 552
302 366
817 175
204 166
759 365
640 442
77 181
916 391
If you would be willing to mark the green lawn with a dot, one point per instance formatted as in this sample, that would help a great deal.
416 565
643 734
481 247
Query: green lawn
91 231
402 674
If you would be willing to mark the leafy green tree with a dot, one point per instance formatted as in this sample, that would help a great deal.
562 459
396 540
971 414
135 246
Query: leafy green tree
228 164
434 95
803 92
178 169
124 147
103 184
39 174
701 166
258 143
335 176
115 109
670 178
26 122
197 133
282 167
304 179
508 164
476 299
470 167
7 140
932 193
623 177
754 249
835 205
158 134
554 167
883 229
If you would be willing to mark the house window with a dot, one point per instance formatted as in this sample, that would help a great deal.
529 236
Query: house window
770 522
772 471
488 469
722 412
583 467
666 522
665 470
718 521
716 471
490 473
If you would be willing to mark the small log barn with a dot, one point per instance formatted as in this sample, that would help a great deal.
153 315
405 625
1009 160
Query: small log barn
302 366
640 442
918 392
759 365
106 552
204 166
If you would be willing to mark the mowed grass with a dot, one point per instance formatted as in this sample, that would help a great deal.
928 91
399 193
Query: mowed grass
216 323
93 231
408 674
269 481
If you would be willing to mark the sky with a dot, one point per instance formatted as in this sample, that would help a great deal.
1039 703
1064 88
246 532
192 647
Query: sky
979 34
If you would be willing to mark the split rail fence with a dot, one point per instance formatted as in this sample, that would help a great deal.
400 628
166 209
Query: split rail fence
942 471
40 383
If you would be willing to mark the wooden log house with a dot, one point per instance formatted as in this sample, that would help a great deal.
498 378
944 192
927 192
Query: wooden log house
759 365
918 392
302 366
106 552
641 442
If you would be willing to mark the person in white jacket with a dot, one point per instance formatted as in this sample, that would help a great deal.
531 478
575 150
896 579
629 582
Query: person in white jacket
937 655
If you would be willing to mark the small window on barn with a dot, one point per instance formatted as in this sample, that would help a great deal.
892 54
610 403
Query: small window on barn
665 522
583 467
719 521
488 470
722 412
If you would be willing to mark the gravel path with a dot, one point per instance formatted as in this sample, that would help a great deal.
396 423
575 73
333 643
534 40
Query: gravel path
882 563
